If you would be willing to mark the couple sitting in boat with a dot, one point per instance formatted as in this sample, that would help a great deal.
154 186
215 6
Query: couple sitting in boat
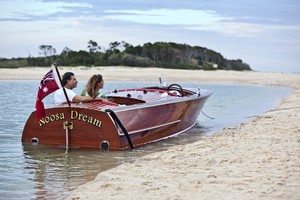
91 91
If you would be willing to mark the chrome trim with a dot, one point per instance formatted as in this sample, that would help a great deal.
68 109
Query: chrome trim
172 135
152 127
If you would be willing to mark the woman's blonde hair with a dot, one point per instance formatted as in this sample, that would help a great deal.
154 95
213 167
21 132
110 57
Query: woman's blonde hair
91 86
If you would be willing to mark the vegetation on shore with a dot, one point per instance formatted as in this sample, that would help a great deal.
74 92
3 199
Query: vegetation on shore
158 54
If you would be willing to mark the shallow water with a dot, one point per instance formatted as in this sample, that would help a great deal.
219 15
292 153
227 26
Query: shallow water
41 171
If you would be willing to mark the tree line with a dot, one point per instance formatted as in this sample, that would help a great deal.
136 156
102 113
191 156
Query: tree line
158 54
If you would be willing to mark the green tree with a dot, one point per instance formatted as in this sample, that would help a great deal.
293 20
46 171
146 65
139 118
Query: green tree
47 51
93 46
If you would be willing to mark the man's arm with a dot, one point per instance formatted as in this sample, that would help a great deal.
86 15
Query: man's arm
78 98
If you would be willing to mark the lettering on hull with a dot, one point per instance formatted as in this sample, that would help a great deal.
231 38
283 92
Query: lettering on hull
51 118
74 116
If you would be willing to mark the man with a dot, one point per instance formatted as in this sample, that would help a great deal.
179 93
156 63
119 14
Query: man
69 82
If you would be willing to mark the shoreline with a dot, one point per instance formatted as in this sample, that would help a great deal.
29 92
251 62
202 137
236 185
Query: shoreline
259 159
152 74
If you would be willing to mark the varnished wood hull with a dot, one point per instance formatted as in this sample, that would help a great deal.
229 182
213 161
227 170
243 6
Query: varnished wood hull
91 127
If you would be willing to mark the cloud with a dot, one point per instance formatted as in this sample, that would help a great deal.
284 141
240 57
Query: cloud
182 19
198 20
167 16
36 10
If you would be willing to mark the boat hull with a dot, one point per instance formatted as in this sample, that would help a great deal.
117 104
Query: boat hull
152 123
76 126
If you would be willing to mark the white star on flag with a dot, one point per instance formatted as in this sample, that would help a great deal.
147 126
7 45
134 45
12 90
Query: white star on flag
45 89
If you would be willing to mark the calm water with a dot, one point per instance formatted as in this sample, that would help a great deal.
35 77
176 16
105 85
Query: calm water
40 171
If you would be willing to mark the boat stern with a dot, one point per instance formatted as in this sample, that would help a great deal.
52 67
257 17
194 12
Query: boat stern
73 127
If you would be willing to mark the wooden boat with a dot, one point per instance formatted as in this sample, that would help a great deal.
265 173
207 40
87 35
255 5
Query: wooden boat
133 117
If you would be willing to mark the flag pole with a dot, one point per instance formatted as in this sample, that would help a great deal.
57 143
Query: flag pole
62 85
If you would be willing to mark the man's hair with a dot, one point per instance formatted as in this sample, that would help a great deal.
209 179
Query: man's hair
67 76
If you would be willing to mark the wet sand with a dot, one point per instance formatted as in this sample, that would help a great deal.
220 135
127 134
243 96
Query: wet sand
259 159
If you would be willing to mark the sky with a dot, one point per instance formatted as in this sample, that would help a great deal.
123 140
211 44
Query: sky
263 33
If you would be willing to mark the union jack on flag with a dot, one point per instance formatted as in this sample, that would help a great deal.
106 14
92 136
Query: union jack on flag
48 85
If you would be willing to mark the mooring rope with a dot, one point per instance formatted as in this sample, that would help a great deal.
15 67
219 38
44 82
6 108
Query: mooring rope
207 115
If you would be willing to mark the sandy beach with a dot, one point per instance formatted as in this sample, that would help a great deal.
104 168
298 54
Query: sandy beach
259 159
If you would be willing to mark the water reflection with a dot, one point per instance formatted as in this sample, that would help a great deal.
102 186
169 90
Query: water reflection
56 172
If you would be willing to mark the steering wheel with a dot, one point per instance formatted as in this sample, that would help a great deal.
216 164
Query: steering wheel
176 87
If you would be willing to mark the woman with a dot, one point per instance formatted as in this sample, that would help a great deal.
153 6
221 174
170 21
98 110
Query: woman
93 86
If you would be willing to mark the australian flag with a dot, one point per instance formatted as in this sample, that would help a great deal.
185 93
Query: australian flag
47 85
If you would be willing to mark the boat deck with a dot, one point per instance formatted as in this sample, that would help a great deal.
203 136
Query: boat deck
126 97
